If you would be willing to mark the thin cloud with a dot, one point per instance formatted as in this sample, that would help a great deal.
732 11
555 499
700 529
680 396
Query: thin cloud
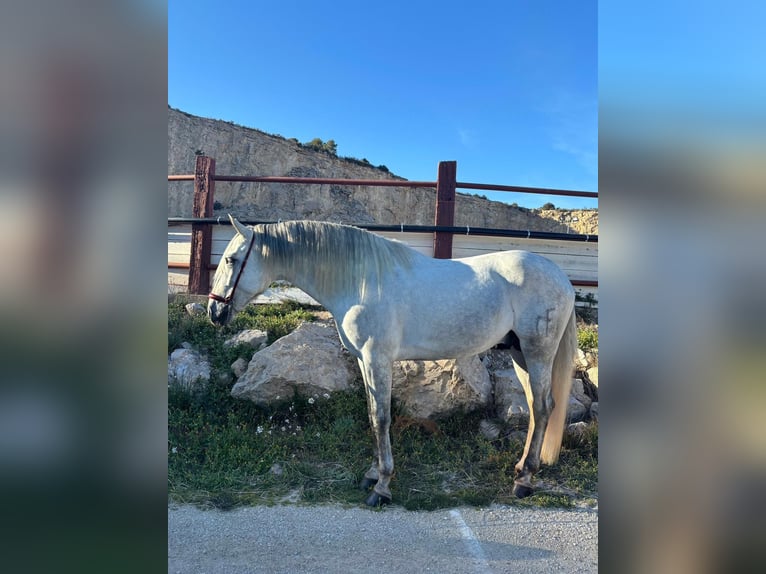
573 128
468 138
585 154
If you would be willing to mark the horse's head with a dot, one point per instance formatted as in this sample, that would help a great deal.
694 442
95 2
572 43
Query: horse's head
238 278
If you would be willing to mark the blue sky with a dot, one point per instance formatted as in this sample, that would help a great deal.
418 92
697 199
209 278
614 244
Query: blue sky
683 69
507 89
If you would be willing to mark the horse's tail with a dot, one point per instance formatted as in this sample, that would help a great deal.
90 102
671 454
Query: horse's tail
561 385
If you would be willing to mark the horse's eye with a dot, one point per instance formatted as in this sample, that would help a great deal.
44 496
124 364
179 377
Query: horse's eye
230 261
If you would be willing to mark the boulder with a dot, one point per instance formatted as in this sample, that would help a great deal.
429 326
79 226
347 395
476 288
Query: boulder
310 360
188 370
434 389
256 338
510 399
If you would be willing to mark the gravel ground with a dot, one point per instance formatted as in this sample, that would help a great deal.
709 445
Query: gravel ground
317 539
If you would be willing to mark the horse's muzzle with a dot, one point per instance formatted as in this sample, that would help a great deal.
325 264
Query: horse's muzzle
218 313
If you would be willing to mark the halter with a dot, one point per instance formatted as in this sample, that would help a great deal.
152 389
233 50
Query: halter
227 300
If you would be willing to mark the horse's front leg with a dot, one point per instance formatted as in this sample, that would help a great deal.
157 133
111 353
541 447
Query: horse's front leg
377 384
371 476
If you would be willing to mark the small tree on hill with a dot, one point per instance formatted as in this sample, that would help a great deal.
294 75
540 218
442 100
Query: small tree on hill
328 146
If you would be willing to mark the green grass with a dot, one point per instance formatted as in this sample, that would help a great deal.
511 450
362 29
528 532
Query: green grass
224 452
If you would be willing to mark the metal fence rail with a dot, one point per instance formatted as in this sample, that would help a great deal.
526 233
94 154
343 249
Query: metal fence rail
443 229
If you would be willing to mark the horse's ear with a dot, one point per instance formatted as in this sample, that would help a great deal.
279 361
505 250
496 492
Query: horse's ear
241 229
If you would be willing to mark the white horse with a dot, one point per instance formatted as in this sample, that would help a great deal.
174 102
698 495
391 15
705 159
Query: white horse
392 303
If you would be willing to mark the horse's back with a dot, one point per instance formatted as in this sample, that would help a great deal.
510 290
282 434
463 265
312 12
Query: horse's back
514 274
522 269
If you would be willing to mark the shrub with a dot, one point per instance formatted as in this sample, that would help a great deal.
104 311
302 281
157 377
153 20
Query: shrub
328 146
587 337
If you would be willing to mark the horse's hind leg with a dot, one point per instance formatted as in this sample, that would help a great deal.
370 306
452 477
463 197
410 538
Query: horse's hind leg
377 383
538 390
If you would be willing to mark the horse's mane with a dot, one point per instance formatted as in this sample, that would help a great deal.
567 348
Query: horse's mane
339 257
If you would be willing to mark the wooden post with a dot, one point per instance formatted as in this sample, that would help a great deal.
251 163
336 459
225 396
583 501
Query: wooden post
445 208
202 234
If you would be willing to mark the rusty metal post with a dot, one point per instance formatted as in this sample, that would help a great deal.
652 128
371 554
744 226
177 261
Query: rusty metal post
445 208
202 234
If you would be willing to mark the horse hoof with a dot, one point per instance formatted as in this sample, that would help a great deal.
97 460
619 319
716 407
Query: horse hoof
521 491
367 483
375 500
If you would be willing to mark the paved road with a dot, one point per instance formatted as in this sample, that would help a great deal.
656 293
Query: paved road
332 539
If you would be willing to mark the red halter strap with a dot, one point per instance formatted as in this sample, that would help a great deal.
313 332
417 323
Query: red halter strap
227 300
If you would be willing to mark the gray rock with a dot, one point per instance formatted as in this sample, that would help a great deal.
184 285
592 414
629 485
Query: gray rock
594 410
434 389
239 367
280 294
256 338
577 428
196 309
578 392
581 359
309 360
188 370
576 410
510 399
489 429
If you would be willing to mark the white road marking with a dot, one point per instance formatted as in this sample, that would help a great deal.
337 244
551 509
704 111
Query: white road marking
471 542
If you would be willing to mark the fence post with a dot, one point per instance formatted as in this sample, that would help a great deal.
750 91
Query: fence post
202 234
445 208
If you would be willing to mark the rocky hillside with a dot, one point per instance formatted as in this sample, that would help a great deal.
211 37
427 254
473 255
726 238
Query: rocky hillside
578 220
244 151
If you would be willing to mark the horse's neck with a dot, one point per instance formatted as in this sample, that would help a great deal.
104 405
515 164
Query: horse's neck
337 266
307 274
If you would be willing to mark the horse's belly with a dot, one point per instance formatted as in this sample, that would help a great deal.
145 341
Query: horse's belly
440 351
456 332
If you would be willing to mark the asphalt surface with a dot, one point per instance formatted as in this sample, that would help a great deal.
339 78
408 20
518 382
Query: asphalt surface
317 539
